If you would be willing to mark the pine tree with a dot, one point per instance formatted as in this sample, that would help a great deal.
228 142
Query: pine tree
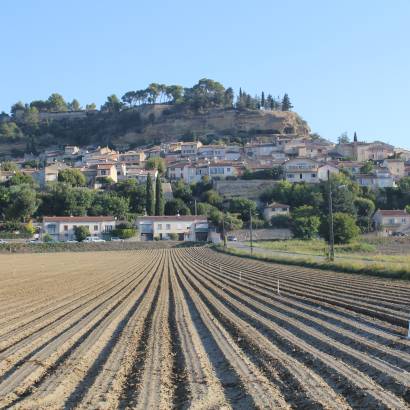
286 104
159 198
269 102
355 137
150 200
263 100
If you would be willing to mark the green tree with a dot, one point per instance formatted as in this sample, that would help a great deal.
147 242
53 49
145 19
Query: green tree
74 105
263 102
150 199
19 179
73 177
175 92
56 102
365 209
343 138
212 197
81 232
18 106
23 203
91 107
176 206
156 163
9 166
10 131
305 222
286 104
367 168
243 207
113 104
344 228
159 197
229 97
109 203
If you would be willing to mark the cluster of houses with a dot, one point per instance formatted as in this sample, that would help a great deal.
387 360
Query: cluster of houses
300 159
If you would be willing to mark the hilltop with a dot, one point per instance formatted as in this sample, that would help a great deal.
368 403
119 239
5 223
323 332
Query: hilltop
149 116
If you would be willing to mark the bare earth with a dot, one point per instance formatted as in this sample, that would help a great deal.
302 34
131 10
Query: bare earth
192 328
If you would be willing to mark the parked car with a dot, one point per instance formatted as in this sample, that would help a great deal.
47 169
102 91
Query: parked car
232 238
3 241
93 239
72 241
116 239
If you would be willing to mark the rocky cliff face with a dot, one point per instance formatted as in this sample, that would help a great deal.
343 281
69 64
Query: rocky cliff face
166 125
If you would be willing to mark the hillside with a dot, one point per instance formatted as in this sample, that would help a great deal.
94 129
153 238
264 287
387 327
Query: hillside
167 125
151 124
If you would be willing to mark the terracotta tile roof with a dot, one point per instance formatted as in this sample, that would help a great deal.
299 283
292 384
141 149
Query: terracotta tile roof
78 218
393 212
187 218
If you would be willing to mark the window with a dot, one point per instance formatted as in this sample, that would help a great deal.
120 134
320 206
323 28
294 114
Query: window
159 226
103 172
95 227
168 226
313 175
404 220
290 175
228 169
51 228
65 227
300 176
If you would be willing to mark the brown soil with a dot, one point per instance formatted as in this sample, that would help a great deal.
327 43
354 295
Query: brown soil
192 328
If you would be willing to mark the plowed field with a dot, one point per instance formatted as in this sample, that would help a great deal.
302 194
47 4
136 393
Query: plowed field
192 328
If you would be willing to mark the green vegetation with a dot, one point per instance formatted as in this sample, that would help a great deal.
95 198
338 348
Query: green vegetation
81 232
124 231
391 271
159 197
73 177
117 116
150 198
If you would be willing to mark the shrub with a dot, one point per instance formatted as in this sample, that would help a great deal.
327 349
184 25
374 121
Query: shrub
47 238
81 232
29 228
344 228
173 236
124 233
306 227
281 221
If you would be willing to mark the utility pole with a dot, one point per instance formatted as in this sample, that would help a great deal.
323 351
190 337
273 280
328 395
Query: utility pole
250 229
331 231
223 230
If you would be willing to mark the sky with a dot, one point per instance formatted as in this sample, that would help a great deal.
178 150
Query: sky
345 64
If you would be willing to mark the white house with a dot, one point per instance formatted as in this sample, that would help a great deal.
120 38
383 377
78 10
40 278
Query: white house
190 149
61 228
307 170
389 221
275 209
183 227
379 179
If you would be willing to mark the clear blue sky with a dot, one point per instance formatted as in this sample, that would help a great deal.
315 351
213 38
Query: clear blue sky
345 64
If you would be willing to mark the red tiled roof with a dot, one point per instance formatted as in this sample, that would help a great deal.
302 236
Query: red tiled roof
393 212
78 218
174 218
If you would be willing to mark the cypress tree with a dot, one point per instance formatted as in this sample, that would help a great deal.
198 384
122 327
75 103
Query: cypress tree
150 200
263 100
286 104
159 198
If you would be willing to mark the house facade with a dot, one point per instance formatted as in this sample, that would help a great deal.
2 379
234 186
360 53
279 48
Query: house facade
275 209
307 170
388 222
182 227
62 228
